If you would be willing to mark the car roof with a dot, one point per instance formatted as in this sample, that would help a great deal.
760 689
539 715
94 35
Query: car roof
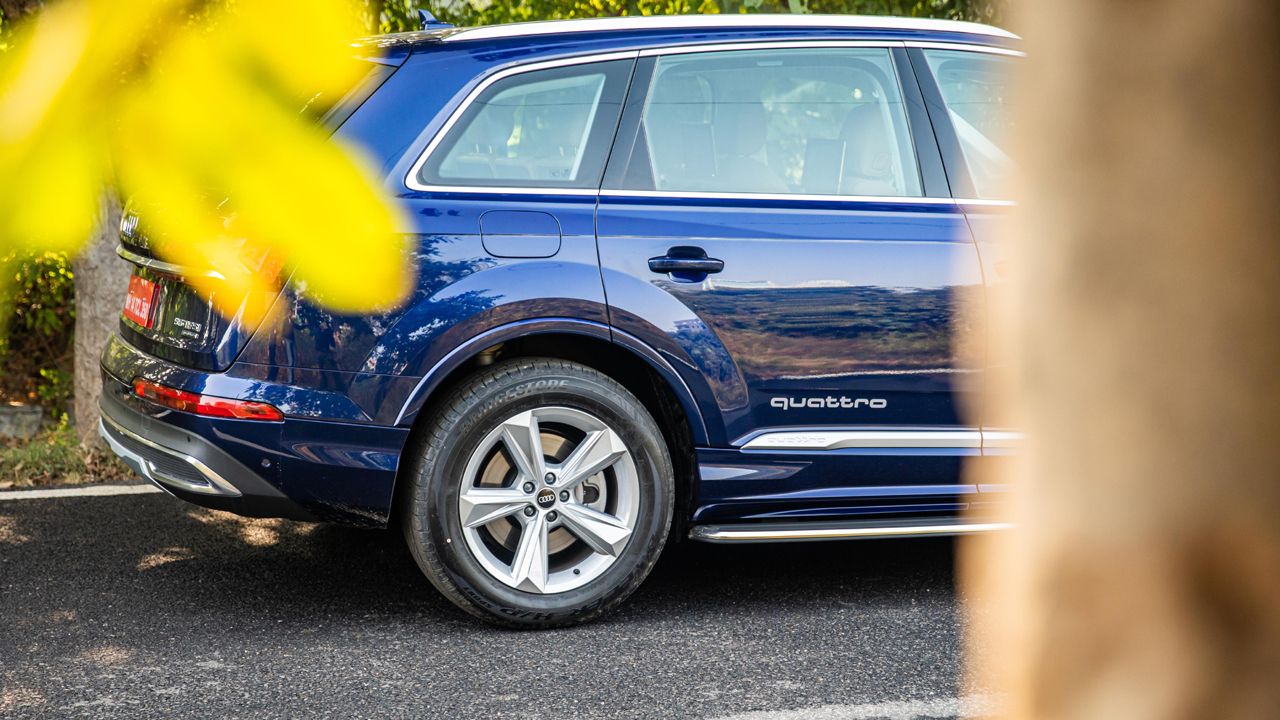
550 32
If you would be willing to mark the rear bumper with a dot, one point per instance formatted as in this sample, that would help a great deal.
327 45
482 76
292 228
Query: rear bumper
300 468
187 466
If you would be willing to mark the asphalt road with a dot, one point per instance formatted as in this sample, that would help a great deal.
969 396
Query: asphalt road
142 606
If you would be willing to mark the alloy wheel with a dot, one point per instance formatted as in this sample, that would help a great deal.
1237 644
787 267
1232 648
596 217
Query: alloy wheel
548 500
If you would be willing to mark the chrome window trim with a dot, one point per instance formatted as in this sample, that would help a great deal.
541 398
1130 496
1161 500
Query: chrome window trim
882 199
727 22
411 179
218 484
991 203
685 48
968 47
499 190
660 194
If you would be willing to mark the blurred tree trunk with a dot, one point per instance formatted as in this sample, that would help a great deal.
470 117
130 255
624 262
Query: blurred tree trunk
101 281
374 9
15 10
1144 581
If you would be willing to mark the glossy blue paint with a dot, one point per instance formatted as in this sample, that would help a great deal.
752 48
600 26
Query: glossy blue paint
520 234
843 299
817 298
343 472
750 485
462 291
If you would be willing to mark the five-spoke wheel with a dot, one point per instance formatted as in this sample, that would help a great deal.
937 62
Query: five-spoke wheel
541 494
549 499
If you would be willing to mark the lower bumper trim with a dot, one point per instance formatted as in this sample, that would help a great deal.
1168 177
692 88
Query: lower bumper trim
777 532
157 463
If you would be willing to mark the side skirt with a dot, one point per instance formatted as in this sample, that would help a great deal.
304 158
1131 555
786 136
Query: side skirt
850 530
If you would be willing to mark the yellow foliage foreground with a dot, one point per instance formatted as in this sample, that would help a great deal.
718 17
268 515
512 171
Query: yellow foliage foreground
198 115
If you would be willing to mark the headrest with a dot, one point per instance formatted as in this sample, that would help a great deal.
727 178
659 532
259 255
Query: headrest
867 142
682 98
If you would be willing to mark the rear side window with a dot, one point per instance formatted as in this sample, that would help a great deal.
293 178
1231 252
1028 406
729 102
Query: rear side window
543 128
825 121
975 88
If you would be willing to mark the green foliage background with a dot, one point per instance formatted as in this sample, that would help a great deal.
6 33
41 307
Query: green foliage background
37 323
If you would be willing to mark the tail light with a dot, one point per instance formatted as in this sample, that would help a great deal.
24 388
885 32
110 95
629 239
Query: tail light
204 404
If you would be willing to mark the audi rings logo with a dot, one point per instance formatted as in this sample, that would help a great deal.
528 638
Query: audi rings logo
546 498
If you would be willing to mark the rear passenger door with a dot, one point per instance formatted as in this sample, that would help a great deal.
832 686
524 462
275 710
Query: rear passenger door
775 219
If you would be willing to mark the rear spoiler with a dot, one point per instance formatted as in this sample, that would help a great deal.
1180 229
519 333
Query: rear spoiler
165 267
395 48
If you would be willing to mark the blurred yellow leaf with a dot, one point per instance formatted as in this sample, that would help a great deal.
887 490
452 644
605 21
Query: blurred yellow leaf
263 34
201 122
53 204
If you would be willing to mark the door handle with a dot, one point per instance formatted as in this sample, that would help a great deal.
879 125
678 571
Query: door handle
687 260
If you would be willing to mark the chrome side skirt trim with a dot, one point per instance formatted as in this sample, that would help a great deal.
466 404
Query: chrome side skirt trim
218 485
840 439
822 440
166 267
758 533
992 439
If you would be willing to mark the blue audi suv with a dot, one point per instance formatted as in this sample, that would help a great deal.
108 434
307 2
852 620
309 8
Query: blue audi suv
718 278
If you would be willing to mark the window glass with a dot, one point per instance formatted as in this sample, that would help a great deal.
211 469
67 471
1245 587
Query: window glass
331 109
975 88
825 121
544 128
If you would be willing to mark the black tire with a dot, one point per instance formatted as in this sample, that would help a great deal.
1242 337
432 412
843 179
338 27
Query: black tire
431 515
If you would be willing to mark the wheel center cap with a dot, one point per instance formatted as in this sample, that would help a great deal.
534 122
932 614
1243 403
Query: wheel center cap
546 498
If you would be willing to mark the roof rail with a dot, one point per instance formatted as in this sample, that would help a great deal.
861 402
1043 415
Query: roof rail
761 20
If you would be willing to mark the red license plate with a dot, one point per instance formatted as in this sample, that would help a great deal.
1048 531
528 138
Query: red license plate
137 304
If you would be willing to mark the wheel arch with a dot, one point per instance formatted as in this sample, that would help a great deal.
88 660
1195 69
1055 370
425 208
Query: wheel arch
567 339
626 359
